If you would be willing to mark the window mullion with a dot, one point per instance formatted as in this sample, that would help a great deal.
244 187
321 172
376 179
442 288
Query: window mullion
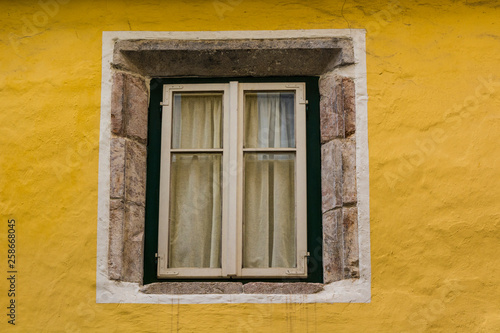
231 185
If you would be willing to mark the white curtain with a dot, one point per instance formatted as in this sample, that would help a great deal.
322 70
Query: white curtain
269 208
195 183
197 121
269 120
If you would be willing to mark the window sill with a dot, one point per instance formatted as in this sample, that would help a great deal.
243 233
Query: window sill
180 288
345 291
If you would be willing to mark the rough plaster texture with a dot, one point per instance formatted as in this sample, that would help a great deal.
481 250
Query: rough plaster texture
433 82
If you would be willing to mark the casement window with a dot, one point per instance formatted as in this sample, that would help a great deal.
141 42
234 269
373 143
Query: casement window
232 192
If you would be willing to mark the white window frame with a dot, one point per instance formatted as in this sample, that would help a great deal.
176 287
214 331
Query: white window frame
233 180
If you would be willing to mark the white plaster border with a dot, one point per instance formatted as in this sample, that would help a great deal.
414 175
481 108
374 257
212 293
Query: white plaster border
344 291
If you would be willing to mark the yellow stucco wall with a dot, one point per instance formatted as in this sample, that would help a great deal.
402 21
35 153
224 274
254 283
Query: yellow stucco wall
434 131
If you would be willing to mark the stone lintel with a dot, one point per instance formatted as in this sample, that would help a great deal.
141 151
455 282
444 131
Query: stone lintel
232 44
243 57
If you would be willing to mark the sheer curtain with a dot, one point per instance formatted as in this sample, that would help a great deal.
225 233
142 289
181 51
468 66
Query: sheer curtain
269 120
269 207
197 121
195 182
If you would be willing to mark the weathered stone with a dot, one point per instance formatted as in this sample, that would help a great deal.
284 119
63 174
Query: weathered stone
337 107
326 84
133 238
179 288
135 217
135 107
333 252
133 254
244 57
351 246
349 101
135 172
282 288
129 107
349 193
115 252
346 56
117 167
331 175
117 98
331 108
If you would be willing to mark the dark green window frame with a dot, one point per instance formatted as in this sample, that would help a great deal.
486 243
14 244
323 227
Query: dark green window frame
314 216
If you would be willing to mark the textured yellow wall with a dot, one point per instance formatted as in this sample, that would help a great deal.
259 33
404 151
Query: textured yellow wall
434 101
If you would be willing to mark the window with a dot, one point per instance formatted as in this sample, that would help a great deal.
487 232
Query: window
337 159
233 181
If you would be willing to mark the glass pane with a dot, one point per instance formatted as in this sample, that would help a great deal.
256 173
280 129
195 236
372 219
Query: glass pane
197 120
269 120
269 229
195 210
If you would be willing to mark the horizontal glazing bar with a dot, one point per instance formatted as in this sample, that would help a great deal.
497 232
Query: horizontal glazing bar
194 150
208 93
274 150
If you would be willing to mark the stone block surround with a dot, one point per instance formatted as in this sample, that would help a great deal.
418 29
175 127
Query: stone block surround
131 70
